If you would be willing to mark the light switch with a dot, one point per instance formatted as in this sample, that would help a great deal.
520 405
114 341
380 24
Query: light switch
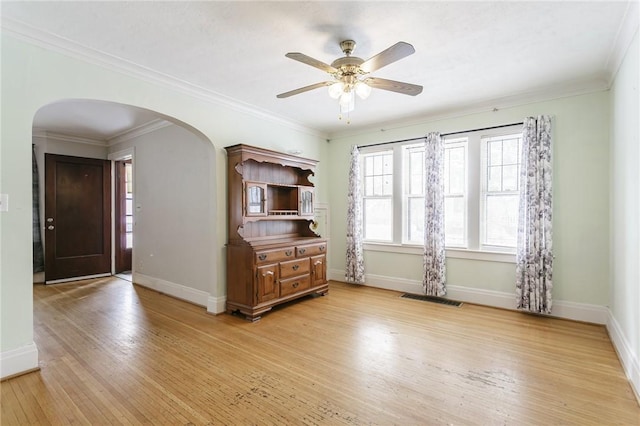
4 202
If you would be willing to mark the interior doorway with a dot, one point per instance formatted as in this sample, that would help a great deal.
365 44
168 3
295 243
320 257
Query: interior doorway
123 215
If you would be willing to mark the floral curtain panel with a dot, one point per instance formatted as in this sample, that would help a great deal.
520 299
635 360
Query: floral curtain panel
434 255
534 257
38 255
354 270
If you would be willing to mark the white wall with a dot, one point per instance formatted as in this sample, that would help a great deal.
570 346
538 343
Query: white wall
624 323
34 76
174 199
581 213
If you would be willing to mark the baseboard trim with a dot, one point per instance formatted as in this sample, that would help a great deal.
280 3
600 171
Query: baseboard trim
18 361
216 305
497 299
179 291
628 359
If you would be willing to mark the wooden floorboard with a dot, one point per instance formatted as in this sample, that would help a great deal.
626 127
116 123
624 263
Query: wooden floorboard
116 353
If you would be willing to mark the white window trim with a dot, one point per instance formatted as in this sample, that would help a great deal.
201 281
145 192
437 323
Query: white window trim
453 253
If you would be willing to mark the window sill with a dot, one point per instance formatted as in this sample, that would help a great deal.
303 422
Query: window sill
488 256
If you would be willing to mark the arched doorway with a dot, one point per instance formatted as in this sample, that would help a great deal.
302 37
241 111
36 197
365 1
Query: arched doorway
172 216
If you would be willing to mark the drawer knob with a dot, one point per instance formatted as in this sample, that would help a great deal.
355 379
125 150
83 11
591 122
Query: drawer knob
295 267
288 252
262 256
301 251
321 248
295 285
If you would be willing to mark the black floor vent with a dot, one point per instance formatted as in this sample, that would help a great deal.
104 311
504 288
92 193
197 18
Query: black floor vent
432 299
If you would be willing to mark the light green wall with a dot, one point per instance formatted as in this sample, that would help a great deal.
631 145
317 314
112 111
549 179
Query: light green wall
581 196
625 210
33 77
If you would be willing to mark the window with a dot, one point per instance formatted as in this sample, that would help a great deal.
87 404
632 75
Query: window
500 190
481 189
128 179
455 153
377 196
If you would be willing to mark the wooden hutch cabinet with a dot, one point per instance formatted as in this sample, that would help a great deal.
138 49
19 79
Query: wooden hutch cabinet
273 255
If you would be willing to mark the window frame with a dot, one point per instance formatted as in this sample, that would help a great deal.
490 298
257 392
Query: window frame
485 191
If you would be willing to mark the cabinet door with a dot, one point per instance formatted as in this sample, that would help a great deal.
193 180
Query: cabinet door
305 201
318 270
255 199
267 283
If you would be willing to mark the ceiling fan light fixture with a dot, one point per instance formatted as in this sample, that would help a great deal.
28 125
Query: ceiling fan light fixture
363 90
347 74
336 90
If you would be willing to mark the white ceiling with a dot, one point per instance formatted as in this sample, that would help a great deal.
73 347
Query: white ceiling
467 53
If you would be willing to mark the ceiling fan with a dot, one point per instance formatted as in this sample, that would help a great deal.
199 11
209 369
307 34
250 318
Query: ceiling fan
349 74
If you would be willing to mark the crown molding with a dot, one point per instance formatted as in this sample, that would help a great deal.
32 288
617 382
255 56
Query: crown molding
627 30
128 134
43 133
53 42
143 129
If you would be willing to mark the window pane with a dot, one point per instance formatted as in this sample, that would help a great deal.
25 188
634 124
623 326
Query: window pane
368 165
129 224
510 178
454 221
386 185
129 206
494 152
416 166
377 185
447 171
456 170
494 178
377 165
510 151
387 164
501 220
415 220
368 185
129 243
377 219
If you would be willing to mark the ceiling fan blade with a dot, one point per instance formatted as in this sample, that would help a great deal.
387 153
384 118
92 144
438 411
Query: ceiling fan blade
394 86
301 57
305 89
388 56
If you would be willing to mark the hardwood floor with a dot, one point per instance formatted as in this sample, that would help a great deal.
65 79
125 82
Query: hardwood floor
115 353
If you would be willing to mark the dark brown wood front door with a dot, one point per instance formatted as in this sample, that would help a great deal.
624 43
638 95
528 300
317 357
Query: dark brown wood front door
77 217
123 215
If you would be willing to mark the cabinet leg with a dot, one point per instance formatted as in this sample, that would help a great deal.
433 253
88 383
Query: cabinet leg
252 318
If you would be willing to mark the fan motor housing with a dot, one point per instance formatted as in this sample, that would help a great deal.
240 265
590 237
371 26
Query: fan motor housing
347 65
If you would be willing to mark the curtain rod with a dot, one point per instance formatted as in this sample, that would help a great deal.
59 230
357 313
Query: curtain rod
444 134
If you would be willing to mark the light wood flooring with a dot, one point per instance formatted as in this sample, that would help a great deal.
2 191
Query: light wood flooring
116 353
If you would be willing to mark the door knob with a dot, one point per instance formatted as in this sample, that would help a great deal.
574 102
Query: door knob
50 227
49 219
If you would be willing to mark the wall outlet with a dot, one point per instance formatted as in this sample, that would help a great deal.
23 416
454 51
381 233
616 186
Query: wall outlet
4 202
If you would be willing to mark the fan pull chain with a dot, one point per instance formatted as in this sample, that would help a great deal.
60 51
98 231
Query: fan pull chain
348 115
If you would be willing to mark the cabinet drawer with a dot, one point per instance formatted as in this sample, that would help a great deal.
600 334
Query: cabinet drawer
294 285
311 249
270 256
291 268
